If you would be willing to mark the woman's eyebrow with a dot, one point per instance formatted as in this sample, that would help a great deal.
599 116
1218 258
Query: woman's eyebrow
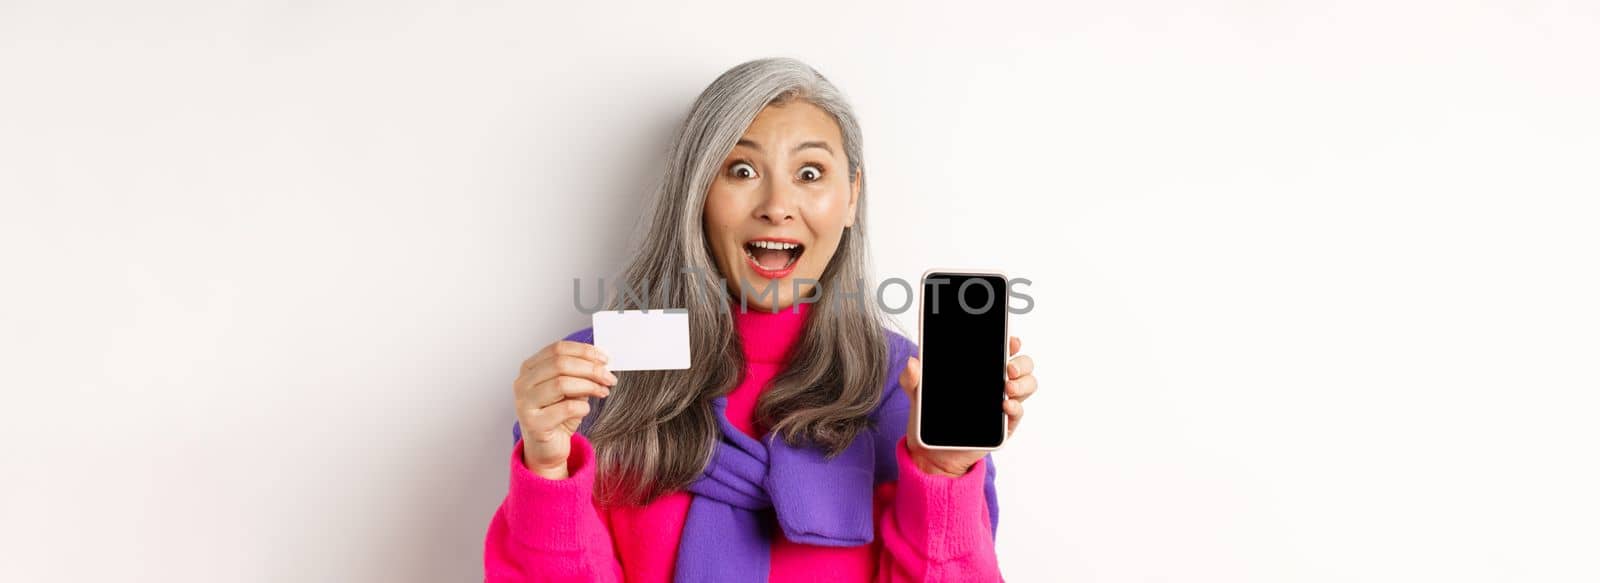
803 145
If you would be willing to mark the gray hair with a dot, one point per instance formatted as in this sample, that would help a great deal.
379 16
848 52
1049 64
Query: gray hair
656 431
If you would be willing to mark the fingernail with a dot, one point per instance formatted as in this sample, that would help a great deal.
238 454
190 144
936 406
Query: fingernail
611 378
603 356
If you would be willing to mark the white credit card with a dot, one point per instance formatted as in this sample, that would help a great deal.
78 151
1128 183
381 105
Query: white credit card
643 340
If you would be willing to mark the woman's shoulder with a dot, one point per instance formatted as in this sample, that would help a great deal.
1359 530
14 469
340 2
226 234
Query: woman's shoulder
900 347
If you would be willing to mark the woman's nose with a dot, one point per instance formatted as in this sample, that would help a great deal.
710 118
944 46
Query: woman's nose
777 207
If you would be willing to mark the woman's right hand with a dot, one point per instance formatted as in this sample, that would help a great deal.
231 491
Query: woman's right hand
553 393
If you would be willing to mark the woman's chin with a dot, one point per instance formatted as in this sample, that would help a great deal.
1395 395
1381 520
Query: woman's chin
765 305
755 296
756 290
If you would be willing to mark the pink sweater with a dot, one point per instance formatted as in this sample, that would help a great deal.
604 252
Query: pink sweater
929 528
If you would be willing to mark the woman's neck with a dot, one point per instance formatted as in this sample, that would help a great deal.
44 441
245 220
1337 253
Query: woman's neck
768 336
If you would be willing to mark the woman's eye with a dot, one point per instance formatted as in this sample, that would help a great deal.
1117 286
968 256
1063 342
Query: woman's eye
810 173
742 170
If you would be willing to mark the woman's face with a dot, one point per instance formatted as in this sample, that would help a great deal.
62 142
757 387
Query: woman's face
780 202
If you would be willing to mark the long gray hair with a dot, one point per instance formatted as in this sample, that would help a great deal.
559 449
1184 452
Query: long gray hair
656 431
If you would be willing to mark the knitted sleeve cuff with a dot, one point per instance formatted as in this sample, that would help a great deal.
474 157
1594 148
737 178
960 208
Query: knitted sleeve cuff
946 516
555 515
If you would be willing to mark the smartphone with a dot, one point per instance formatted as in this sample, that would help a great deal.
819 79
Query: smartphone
964 341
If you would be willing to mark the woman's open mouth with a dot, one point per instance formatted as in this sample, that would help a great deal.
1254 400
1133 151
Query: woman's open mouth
773 258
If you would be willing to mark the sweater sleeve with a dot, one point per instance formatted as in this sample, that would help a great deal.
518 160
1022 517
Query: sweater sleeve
550 530
938 528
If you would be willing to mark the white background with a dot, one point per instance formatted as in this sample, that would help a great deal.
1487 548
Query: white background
1315 284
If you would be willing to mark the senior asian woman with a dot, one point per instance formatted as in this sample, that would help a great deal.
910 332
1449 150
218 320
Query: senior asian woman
781 454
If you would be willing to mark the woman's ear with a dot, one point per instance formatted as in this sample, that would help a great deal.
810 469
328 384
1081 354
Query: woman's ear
855 195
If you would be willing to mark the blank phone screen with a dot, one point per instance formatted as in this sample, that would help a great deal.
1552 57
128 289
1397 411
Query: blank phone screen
964 353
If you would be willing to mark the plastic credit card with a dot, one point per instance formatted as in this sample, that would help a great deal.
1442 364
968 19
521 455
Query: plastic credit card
643 339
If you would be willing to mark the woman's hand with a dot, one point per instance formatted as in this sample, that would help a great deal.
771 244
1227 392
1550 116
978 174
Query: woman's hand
942 462
552 393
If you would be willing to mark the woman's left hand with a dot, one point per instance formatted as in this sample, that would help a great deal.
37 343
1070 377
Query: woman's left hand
941 462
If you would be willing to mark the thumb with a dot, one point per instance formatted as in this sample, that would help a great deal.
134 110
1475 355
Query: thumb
911 376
